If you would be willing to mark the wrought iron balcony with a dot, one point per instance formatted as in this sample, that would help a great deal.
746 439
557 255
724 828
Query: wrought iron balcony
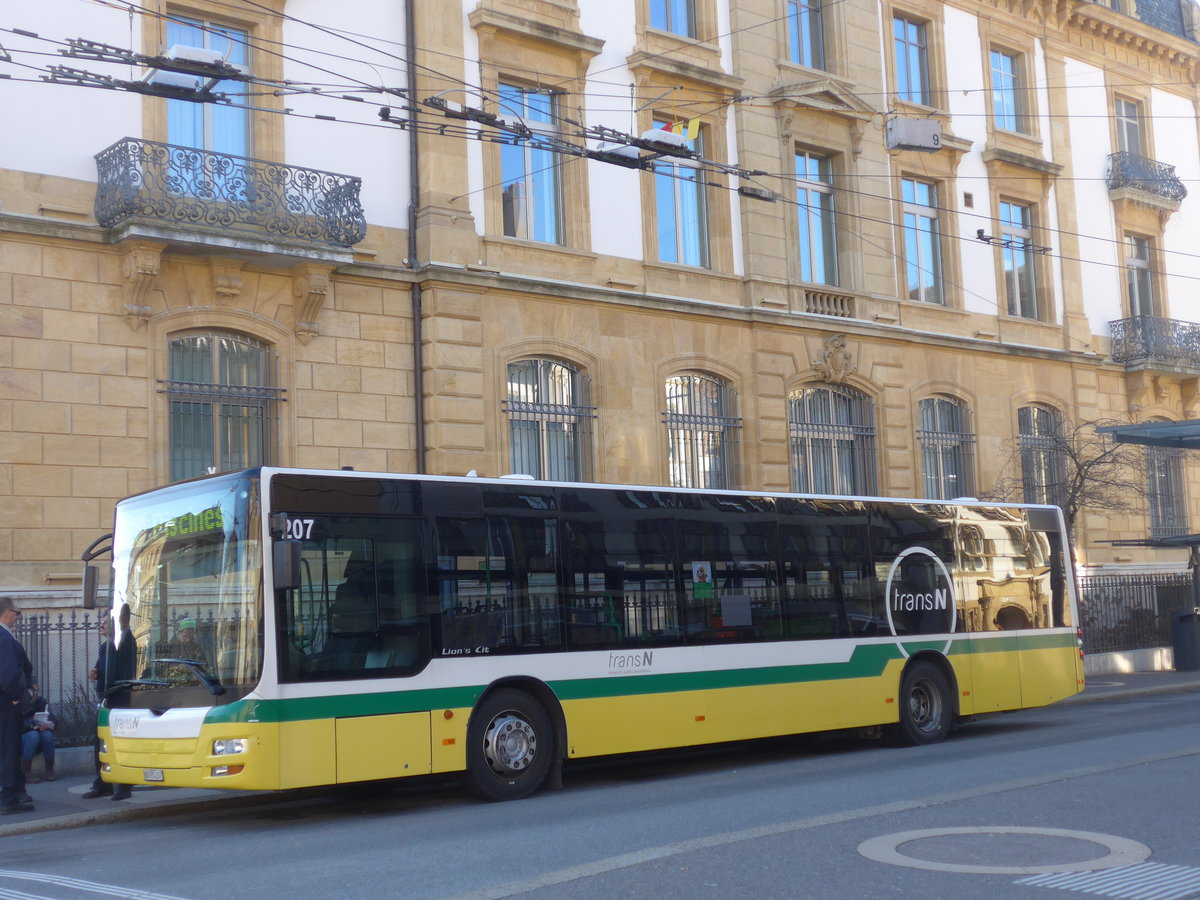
196 188
1151 342
1128 170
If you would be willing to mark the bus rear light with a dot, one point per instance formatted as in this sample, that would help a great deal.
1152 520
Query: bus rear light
1079 640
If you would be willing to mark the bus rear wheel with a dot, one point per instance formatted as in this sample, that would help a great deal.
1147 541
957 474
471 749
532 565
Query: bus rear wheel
510 746
926 710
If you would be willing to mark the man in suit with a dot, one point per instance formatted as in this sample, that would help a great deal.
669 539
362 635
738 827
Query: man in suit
16 675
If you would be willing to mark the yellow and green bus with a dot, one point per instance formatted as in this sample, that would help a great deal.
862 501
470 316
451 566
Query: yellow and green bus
300 627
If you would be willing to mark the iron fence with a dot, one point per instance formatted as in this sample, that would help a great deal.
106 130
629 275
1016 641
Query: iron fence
62 650
1131 612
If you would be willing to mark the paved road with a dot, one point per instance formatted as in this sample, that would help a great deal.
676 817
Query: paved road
786 818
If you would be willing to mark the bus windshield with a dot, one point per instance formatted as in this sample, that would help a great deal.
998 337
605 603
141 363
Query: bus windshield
187 560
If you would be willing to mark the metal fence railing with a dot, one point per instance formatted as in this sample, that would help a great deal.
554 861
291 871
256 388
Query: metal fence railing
1131 612
62 648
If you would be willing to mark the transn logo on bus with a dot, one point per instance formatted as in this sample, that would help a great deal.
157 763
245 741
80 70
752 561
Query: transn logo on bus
920 596
628 663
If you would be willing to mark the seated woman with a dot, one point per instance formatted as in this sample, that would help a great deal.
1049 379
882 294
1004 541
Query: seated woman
38 738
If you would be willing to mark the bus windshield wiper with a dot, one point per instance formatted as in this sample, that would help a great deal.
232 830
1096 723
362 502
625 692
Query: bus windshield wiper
126 683
199 669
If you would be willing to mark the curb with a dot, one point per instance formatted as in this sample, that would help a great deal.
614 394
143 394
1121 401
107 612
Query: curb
148 810
1126 693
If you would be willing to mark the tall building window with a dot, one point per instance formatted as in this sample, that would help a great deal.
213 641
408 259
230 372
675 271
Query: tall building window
223 406
831 433
1166 494
675 16
814 211
1139 279
947 448
1128 115
529 176
1016 248
549 420
922 241
702 431
806 40
681 208
1043 464
912 60
1008 98
219 127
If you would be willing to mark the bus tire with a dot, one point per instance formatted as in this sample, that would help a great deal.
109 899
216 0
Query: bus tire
926 707
510 746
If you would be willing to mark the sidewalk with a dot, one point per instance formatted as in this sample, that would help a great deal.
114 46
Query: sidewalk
60 804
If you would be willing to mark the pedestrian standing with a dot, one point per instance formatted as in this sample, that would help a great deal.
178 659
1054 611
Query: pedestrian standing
16 676
99 676
115 668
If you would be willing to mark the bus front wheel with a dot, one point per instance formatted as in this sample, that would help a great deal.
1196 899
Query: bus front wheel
926 708
510 746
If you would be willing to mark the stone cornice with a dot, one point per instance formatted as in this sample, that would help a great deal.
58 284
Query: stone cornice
1079 19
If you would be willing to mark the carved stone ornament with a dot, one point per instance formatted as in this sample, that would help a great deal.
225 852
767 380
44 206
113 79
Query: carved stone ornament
310 288
227 281
140 266
835 363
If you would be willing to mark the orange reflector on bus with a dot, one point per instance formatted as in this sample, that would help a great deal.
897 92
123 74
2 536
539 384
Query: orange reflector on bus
890 700
447 742
699 718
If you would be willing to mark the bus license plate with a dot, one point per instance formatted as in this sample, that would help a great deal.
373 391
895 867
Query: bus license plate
152 774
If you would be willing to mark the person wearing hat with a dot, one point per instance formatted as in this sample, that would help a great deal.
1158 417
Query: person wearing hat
184 644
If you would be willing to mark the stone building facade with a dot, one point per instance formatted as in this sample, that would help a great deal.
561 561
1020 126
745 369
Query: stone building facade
489 266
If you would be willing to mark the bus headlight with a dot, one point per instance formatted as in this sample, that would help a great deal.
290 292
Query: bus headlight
227 746
103 746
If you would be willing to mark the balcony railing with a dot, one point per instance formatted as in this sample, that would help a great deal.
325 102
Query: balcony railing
1128 170
1154 340
196 188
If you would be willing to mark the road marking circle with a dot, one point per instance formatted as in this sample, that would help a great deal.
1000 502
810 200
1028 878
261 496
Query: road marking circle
1120 851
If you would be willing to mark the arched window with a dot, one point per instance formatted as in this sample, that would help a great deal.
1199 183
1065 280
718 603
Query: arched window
549 420
223 406
1165 493
1043 459
831 436
947 448
702 431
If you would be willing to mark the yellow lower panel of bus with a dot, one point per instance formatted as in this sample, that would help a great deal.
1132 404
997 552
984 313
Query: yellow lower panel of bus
374 747
649 722
1049 675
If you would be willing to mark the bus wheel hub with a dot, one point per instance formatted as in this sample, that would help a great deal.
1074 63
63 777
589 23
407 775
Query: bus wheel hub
509 744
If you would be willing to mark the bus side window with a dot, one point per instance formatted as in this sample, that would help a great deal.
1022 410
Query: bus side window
825 582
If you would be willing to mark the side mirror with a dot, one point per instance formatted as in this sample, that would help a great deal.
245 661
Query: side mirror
91 574
90 577
286 565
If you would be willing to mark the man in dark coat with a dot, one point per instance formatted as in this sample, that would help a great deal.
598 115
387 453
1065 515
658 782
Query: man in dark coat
116 662
16 675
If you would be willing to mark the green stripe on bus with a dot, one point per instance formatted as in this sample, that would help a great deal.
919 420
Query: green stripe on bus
867 661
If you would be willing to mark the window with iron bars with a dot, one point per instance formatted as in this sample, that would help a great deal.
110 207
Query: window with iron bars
947 448
223 405
549 420
1043 462
1166 497
702 432
831 431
